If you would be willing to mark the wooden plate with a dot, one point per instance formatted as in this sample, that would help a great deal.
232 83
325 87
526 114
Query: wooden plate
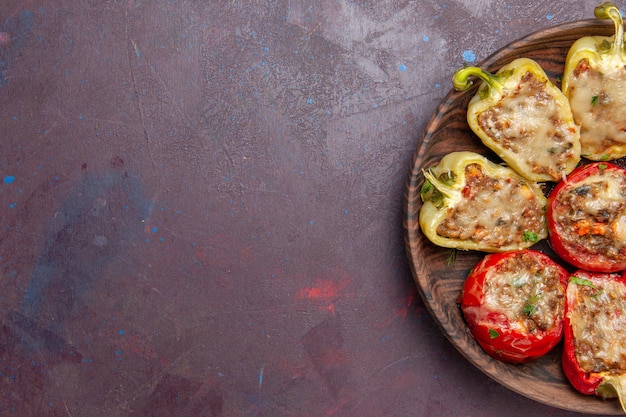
439 282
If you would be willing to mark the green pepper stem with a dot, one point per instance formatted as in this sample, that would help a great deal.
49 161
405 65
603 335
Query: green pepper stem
609 10
613 386
440 186
461 80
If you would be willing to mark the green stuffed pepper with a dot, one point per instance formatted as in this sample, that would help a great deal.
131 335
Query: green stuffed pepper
524 118
471 203
594 80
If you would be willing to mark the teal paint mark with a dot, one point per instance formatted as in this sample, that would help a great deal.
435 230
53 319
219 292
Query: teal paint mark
469 56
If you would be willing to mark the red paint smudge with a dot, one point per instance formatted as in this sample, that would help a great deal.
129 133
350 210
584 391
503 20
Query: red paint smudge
5 38
341 403
324 292
406 303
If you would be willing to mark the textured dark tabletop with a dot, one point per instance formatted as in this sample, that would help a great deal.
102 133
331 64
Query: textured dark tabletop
201 205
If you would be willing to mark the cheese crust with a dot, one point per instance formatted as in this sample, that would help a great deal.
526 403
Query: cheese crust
527 123
597 314
486 214
527 291
598 101
591 216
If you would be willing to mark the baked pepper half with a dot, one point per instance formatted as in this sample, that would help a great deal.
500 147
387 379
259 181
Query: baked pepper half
594 351
524 118
471 203
594 80
587 218
513 304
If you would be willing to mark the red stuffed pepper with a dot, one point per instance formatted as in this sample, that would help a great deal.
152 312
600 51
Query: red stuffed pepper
587 218
513 303
594 353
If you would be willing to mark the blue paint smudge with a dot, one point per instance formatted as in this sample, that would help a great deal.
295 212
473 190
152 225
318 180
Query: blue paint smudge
19 27
9 179
122 332
155 229
69 263
549 16
3 79
402 67
425 38
38 338
469 56
309 101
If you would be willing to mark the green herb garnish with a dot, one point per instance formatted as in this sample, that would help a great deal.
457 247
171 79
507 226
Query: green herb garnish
530 236
530 306
451 259
529 309
582 281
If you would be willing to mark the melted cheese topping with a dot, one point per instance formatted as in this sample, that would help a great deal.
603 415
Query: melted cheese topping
496 211
591 216
527 123
598 101
598 318
527 292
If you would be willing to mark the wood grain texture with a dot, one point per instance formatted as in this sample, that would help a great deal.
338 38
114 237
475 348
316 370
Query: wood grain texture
439 281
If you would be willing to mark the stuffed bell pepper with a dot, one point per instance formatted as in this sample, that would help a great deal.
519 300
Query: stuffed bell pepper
524 118
587 218
594 80
513 304
594 352
471 203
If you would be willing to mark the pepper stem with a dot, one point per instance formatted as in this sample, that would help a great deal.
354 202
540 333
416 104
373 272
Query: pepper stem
444 189
461 79
609 10
613 386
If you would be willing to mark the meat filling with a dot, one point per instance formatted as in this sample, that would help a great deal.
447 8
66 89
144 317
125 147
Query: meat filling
486 215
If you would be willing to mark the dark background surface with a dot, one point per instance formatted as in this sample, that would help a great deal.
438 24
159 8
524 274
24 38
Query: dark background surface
201 205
